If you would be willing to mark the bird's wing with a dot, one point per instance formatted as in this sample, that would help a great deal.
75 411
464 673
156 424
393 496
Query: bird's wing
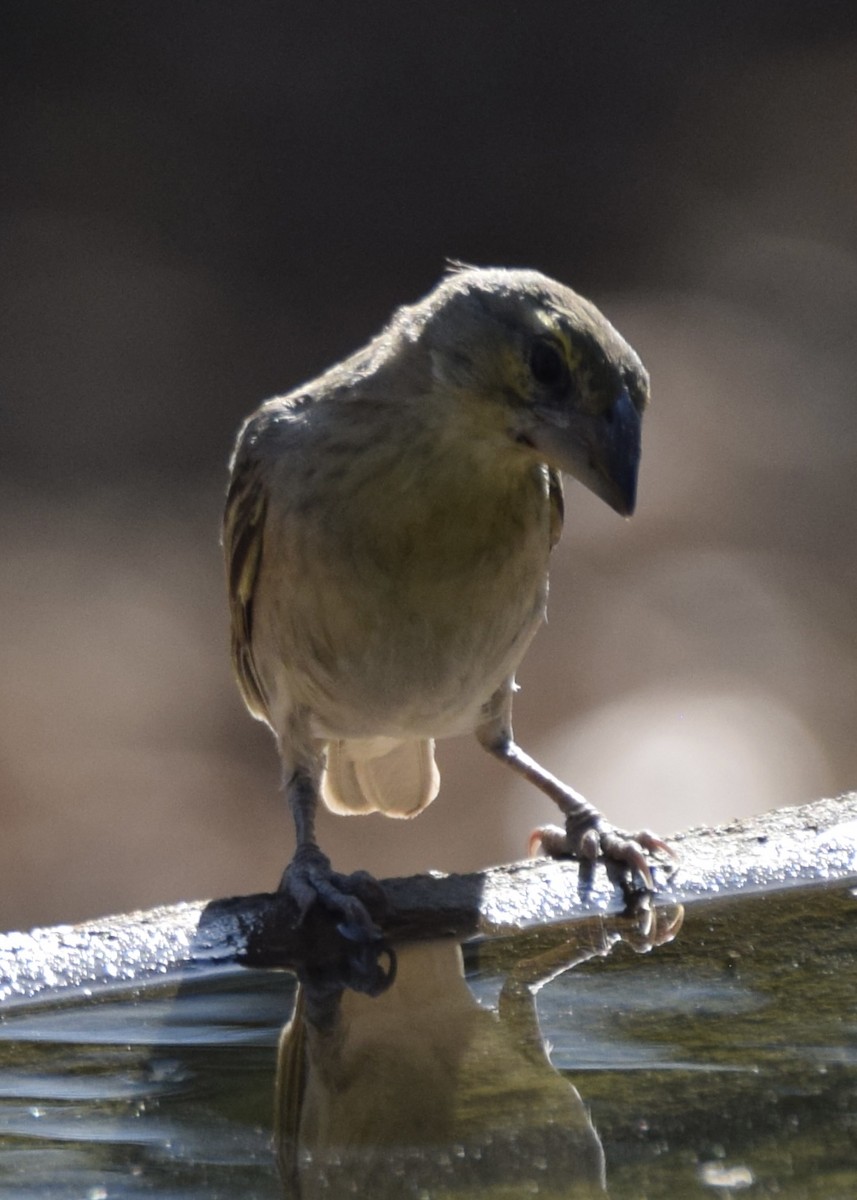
243 528
397 778
557 504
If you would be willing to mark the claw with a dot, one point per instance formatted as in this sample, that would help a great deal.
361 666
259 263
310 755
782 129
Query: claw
597 839
542 840
310 880
619 848
655 845
359 931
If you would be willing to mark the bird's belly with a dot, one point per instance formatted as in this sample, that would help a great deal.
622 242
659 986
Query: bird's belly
432 676
417 657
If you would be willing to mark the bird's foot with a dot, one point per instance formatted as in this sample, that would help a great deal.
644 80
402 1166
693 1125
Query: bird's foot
589 837
309 879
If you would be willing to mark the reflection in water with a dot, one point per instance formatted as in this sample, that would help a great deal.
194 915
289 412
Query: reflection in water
422 1091
729 1055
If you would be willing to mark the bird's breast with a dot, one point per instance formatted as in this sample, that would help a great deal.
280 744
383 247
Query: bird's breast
403 609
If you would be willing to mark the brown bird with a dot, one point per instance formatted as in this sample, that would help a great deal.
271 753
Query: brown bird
387 534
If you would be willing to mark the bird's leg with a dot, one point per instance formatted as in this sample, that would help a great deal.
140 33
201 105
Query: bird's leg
309 878
587 833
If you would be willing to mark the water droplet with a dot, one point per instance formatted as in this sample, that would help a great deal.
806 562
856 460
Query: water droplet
719 1175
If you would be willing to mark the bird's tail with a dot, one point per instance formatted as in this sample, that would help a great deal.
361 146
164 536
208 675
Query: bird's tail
397 778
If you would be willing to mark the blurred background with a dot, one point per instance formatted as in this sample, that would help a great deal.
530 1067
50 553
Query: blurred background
204 203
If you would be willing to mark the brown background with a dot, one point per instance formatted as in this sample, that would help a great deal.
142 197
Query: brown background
205 203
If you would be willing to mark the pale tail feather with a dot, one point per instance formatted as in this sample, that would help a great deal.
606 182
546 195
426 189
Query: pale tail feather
399 779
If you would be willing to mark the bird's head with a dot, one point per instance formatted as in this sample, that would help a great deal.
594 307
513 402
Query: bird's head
544 369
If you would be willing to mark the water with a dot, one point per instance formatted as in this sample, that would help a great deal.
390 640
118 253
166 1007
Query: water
564 1061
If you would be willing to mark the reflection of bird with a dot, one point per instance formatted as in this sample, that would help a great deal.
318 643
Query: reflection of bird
387 534
421 1090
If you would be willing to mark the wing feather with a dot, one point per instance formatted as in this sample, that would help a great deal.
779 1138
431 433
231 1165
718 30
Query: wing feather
243 534
557 504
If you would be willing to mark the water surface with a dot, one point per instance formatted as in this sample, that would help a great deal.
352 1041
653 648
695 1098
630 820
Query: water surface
562 1061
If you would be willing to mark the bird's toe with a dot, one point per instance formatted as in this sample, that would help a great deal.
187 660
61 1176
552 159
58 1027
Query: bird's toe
309 880
627 853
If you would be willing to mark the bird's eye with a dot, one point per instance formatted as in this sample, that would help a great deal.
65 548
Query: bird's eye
547 364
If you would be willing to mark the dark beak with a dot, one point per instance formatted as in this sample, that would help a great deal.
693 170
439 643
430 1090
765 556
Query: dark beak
601 451
616 456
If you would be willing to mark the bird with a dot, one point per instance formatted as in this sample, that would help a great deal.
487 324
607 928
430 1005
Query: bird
387 534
